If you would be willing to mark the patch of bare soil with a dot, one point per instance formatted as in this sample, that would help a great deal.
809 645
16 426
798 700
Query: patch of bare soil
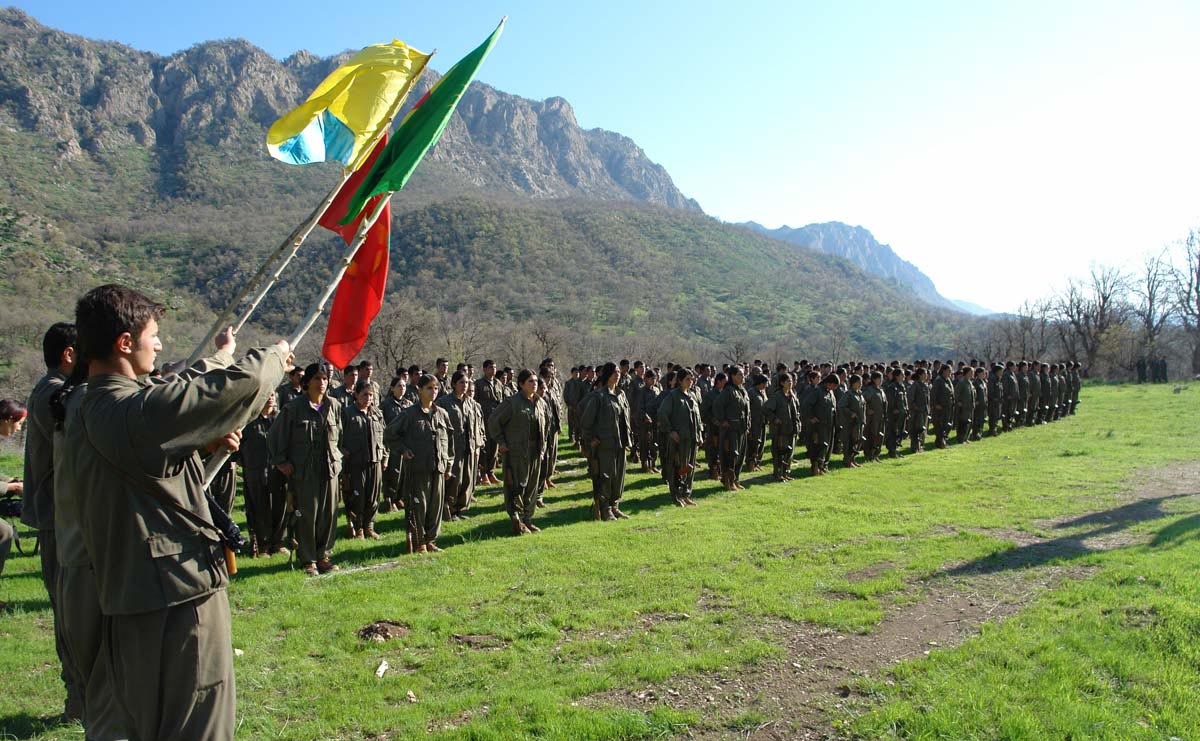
382 630
797 696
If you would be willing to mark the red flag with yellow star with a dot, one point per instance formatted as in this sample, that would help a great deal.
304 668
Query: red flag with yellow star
359 295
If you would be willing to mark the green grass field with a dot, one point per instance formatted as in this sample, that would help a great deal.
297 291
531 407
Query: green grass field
530 637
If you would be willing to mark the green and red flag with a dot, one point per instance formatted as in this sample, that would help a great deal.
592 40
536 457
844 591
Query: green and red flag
420 130
359 295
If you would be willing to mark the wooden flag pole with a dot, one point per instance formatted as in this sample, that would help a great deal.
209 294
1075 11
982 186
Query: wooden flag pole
295 239
348 257
217 459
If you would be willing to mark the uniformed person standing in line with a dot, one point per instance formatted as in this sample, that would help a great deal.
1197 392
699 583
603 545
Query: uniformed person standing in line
366 371
79 602
758 426
679 418
942 405
1022 394
1035 395
363 458
489 392
631 386
897 411
466 425
995 400
782 412
1043 383
1011 391
345 393
552 396
37 510
304 444
422 435
264 487
819 408
1077 383
712 430
875 402
397 401
647 411
518 427
964 403
167 641
290 389
731 413
442 374
573 391
979 416
851 414
604 421
918 411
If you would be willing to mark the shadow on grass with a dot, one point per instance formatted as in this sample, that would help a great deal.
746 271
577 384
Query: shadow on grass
24 725
27 605
1079 544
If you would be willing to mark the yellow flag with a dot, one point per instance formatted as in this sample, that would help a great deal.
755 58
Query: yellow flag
349 109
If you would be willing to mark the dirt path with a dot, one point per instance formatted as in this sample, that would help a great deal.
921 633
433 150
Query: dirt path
795 697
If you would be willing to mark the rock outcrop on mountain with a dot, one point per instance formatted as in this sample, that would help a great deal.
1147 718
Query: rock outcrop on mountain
857 245
91 98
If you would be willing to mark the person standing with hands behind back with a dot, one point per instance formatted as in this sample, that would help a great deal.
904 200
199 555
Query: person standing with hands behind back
604 421
304 447
518 426
159 562
422 434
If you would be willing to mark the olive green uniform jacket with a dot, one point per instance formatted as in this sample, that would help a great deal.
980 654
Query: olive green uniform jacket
605 428
159 566
520 424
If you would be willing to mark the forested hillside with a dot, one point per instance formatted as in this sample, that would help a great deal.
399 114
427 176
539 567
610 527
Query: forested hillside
519 229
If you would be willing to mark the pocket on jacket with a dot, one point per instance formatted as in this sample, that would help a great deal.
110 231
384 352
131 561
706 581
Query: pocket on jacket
187 566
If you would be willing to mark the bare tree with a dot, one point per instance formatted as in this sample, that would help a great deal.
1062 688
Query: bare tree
398 334
1090 310
1152 308
838 337
520 347
462 334
737 349
1028 333
549 335
1185 285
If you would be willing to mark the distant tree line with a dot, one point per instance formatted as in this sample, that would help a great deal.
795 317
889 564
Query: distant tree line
1119 323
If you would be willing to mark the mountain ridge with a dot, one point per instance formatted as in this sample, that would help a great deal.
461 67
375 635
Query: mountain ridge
857 244
123 165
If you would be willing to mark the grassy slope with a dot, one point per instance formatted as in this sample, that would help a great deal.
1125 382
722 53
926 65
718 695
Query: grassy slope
1108 657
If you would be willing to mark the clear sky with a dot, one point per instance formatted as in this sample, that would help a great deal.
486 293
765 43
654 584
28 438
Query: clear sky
1000 146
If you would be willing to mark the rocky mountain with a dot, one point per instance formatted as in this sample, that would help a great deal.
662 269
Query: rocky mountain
93 102
972 308
860 247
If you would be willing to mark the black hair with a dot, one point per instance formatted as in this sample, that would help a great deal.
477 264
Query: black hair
57 339
11 409
606 372
106 312
311 371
